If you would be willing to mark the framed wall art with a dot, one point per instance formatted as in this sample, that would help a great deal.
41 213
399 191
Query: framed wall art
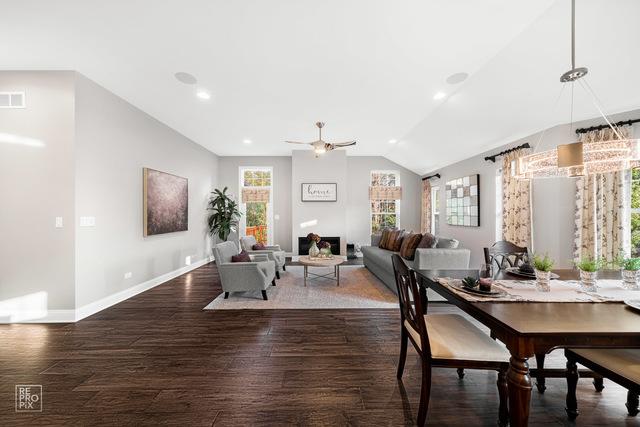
165 202
463 201
319 192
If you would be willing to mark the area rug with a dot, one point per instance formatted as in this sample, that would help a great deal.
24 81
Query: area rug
359 288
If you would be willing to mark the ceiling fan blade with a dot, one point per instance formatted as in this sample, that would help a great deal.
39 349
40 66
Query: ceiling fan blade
296 142
344 144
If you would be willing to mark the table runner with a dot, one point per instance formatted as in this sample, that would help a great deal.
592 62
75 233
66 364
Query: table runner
561 291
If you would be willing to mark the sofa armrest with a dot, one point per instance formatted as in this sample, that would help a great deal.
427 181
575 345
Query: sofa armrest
273 247
258 257
442 259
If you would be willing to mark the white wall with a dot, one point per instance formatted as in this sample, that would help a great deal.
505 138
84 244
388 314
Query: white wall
553 199
228 176
358 206
330 217
36 185
114 141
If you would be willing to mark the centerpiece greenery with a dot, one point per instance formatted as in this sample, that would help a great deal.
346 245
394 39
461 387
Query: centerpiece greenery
630 271
542 266
224 216
589 267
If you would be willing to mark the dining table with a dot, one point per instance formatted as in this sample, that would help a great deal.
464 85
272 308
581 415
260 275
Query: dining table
530 328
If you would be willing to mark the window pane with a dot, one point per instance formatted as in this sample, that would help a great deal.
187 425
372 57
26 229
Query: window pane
257 221
635 234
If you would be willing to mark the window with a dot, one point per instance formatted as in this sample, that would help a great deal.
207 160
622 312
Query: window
635 212
435 210
384 213
498 233
257 218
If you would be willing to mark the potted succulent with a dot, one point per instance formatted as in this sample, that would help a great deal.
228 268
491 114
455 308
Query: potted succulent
542 267
589 267
630 271
313 249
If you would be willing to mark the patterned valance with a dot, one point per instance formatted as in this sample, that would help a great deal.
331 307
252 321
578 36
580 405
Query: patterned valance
255 195
385 193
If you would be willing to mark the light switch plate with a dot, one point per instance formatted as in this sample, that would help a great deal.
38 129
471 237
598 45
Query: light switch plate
87 221
128 275
59 223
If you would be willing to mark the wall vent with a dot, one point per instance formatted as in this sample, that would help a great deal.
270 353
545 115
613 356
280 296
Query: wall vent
12 100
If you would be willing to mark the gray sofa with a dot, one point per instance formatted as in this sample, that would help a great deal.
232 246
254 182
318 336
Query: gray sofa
378 260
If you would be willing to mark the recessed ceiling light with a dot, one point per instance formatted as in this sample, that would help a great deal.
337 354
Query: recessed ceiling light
456 78
186 78
393 141
439 95
203 94
247 141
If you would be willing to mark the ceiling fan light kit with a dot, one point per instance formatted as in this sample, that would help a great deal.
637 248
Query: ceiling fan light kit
581 158
320 146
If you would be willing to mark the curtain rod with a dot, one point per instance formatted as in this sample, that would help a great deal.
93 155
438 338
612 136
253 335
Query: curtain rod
493 158
435 175
599 127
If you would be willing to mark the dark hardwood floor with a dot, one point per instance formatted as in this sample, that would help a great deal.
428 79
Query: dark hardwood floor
159 359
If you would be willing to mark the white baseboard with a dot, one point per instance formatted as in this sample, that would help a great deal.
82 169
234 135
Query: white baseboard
70 316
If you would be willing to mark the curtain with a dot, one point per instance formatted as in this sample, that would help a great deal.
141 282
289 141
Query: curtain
603 208
425 211
516 201
255 195
385 193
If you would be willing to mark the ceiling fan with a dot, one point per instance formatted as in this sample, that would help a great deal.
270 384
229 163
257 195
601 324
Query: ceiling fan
320 146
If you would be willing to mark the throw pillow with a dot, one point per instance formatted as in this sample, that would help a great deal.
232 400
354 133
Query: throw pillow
445 243
397 243
428 241
384 240
241 257
258 247
409 246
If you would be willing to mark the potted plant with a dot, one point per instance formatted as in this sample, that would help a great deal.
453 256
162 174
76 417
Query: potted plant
589 267
224 215
325 249
630 271
313 249
542 267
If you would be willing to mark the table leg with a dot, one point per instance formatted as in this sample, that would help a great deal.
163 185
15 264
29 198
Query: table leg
519 382
305 275
338 275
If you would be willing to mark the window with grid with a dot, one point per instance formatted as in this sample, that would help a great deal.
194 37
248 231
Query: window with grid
256 220
635 213
384 213
435 210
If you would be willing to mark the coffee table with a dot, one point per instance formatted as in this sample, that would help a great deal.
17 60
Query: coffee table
334 262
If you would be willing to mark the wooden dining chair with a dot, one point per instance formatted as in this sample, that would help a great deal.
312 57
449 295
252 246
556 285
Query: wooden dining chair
444 340
505 254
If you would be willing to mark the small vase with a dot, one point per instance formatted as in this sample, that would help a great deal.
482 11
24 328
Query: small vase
630 280
589 281
313 250
325 252
542 281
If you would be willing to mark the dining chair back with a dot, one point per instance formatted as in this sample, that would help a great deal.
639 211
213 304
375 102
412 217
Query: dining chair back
504 254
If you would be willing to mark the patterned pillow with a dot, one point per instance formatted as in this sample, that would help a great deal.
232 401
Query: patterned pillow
409 245
428 241
241 257
384 240
397 242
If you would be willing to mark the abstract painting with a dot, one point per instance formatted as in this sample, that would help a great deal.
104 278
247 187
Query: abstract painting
166 202
463 201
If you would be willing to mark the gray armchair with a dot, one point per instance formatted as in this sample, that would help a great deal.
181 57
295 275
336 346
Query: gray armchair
274 252
243 276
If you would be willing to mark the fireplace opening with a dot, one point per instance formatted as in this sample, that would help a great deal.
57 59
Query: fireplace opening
304 244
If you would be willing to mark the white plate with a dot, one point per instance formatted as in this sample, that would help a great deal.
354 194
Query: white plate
633 303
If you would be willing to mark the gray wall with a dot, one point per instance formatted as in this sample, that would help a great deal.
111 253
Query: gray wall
358 210
228 176
553 199
36 185
114 141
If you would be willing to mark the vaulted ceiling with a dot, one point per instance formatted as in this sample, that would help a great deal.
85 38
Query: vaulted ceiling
368 68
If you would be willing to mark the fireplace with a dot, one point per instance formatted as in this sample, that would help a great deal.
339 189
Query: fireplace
304 244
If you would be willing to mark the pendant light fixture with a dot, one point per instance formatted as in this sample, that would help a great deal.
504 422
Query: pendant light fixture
581 158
